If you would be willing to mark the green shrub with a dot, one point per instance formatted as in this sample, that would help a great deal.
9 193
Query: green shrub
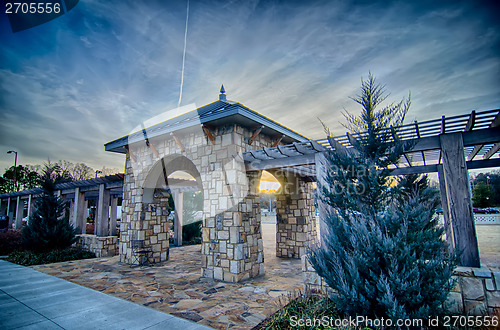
192 232
29 258
10 241
48 228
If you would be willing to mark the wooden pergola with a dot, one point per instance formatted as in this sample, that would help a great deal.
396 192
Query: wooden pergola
449 146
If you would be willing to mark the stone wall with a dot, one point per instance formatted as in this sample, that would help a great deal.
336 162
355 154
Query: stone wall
312 281
102 246
477 290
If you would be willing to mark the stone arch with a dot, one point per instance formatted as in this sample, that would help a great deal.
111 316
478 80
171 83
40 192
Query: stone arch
159 172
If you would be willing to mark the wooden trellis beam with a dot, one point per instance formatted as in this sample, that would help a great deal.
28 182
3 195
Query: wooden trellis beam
418 136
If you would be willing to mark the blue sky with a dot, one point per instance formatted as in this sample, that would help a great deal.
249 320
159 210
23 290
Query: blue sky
93 74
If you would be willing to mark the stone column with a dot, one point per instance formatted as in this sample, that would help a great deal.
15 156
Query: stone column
101 226
232 248
19 212
295 219
79 221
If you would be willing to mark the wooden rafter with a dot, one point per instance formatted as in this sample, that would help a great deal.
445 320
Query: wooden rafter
354 142
153 149
148 144
492 151
338 147
418 137
255 134
474 152
288 151
408 160
179 143
208 133
273 152
477 148
129 152
278 140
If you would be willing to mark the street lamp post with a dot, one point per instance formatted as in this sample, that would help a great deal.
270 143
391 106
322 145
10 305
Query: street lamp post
15 169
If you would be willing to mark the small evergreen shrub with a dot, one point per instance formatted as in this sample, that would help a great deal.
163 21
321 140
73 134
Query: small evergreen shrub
191 233
29 258
48 228
10 240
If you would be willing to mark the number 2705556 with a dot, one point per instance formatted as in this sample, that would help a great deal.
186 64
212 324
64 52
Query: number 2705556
32 8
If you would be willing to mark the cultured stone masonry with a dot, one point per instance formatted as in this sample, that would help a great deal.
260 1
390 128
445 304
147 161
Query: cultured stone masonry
102 246
232 240
477 292
296 220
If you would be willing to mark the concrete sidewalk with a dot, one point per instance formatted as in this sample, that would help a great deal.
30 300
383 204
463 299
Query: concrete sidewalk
33 300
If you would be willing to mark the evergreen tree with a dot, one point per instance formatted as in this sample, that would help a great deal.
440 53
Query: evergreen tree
48 227
382 251
482 195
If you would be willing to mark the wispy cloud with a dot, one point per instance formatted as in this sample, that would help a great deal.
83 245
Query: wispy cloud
71 85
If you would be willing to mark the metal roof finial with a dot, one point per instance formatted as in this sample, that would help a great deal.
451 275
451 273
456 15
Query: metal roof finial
222 95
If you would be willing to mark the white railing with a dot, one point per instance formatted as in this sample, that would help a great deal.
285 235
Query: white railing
481 219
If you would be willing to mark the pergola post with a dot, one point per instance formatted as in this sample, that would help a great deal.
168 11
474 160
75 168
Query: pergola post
446 210
79 222
19 212
321 176
459 199
8 213
112 216
31 204
3 210
179 207
101 226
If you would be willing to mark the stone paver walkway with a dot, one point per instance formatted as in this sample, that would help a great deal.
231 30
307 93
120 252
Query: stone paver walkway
176 287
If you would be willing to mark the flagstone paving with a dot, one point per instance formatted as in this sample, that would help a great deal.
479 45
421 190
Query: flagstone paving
175 287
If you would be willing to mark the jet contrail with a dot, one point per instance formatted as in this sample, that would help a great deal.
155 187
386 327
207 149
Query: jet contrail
184 54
